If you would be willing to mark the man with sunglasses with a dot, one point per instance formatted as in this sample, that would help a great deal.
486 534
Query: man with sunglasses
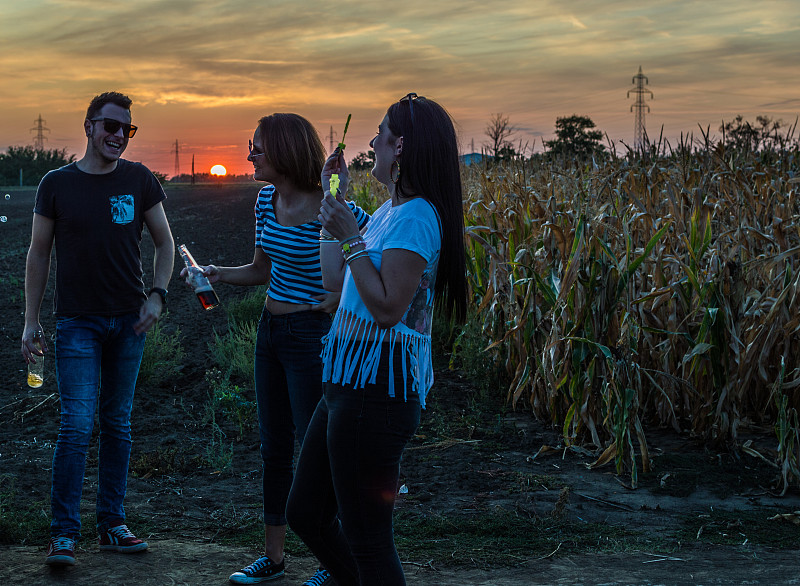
94 211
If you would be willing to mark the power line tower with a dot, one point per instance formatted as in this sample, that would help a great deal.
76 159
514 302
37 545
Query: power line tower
38 140
177 160
331 138
639 80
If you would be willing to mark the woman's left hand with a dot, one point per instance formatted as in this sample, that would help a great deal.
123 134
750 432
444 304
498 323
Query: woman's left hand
328 302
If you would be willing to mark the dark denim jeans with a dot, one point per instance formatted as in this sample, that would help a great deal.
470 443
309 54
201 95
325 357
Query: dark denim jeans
288 373
345 485
93 352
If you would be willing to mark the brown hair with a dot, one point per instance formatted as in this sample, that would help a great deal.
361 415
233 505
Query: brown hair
293 148
98 102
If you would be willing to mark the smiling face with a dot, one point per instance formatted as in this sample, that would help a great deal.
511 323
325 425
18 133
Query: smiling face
106 146
387 148
262 170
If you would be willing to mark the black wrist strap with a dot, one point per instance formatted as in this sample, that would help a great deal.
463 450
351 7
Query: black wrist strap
161 293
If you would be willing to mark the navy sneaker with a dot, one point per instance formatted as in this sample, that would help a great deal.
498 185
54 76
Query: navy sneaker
261 570
61 551
321 578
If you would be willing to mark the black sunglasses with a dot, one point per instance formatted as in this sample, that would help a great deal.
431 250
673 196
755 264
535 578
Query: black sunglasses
410 98
112 126
253 154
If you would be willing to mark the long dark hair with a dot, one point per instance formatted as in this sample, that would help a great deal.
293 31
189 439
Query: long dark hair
293 148
429 168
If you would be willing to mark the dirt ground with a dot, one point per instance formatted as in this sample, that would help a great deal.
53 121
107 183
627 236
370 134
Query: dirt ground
698 518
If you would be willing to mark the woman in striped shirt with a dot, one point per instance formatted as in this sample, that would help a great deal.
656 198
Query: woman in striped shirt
288 155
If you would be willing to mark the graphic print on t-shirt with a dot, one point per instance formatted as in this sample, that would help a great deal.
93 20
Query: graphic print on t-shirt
122 211
419 315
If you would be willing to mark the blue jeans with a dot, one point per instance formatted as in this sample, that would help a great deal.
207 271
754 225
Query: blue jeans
288 373
93 353
345 486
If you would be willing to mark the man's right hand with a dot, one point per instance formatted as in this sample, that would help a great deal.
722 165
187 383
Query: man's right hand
29 350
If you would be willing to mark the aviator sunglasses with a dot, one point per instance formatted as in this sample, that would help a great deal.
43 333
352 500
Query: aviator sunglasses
111 126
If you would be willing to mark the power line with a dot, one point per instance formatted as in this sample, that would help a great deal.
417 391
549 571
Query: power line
639 108
38 140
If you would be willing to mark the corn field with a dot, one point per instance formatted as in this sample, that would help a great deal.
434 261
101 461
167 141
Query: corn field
651 290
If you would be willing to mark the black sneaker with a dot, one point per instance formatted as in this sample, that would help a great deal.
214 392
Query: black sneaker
259 571
321 578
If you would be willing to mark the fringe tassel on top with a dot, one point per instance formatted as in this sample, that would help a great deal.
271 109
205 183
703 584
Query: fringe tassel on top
350 357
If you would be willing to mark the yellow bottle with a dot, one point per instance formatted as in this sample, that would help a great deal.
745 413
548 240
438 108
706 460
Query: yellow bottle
36 370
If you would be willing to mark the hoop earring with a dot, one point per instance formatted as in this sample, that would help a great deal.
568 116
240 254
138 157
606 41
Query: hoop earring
391 171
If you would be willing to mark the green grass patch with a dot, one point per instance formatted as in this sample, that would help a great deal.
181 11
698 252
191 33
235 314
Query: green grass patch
163 355
234 353
21 524
236 404
247 309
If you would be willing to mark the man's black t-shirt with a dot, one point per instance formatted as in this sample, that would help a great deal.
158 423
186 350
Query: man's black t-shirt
98 232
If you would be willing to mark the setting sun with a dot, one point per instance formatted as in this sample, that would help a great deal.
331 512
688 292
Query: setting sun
218 170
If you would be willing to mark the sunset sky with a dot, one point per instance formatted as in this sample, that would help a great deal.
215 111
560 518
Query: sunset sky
203 72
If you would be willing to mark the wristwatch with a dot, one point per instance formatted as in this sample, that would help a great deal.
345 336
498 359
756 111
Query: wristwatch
161 293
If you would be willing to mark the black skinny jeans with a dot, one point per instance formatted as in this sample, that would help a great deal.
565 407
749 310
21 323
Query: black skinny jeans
345 484
288 374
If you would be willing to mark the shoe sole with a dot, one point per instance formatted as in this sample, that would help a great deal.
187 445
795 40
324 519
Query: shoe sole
124 549
60 560
245 580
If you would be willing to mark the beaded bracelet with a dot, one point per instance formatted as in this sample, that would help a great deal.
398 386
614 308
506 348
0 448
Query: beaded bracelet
347 247
355 255
351 238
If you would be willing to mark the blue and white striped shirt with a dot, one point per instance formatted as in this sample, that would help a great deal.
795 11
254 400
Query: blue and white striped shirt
296 275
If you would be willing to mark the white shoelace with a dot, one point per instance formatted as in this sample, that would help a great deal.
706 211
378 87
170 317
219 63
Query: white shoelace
121 531
63 542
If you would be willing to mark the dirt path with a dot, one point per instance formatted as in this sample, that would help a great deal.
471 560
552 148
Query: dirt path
188 563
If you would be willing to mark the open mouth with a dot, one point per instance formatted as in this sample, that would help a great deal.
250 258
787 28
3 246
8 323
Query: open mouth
114 144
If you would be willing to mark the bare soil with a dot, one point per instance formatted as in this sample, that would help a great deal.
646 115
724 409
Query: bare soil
701 517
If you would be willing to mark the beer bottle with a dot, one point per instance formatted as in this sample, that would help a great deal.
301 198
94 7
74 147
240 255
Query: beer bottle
36 370
202 288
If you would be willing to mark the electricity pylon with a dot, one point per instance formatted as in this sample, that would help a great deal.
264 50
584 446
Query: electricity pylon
177 160
639 107
38 140
331 138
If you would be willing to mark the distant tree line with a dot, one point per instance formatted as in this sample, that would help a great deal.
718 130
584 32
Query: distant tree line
202 178
764 134
30 164
577 139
